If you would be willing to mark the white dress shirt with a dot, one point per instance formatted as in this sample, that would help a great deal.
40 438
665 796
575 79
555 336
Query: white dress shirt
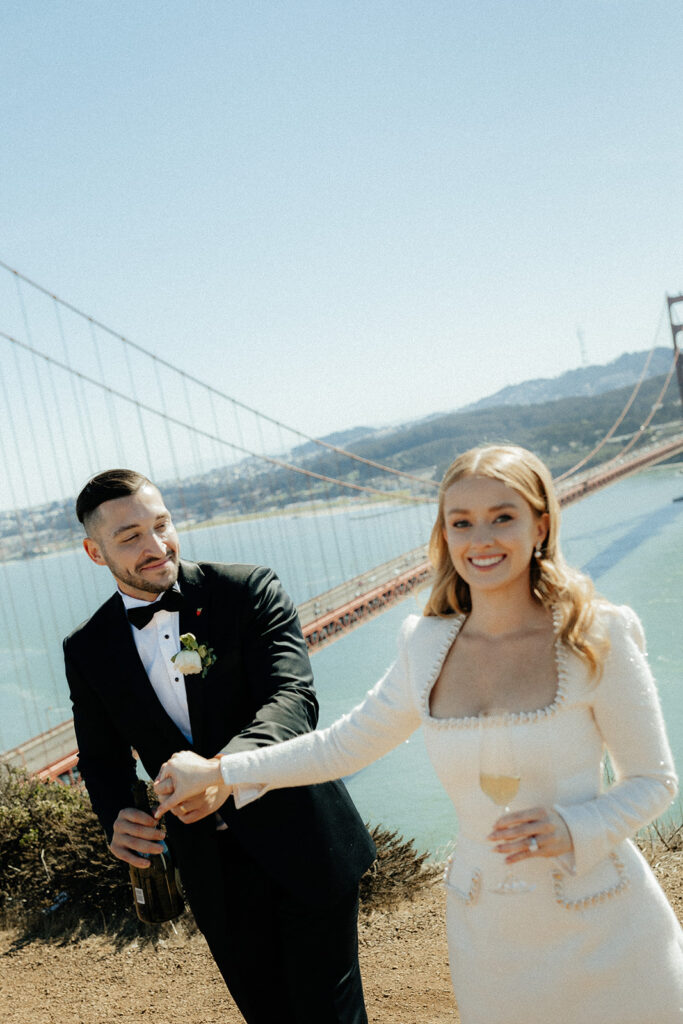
156 644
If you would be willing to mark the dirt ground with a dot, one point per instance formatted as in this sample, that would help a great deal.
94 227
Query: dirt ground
403 959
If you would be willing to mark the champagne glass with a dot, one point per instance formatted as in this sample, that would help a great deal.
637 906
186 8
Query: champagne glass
499 779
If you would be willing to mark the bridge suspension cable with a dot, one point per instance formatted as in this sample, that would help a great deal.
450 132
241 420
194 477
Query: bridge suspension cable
77 397
204 433
343 452
655 406
622 415
326 485
186 376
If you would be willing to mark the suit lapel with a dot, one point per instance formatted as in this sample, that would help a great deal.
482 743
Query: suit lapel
133 682
195 618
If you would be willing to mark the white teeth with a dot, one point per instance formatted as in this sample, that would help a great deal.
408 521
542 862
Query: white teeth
484 562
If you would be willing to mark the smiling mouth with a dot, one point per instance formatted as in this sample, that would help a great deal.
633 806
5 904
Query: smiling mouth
486 562
158 564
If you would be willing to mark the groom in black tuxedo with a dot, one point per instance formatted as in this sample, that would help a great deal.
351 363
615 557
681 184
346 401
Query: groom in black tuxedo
274 885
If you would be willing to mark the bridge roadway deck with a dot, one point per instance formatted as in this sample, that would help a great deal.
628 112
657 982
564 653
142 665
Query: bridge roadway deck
53 754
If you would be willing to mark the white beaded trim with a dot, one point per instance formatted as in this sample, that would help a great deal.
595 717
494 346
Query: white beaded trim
598 897
454 628
471 721
472 895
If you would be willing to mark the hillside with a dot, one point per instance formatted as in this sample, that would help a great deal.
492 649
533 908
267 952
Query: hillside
560 431
584 381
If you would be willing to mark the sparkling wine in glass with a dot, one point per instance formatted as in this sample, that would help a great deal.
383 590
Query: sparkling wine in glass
499 779
502 789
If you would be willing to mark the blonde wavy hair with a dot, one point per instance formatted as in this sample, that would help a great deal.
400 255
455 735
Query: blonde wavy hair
551 581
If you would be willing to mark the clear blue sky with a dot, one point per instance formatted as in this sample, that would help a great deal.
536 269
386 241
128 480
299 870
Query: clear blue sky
349 212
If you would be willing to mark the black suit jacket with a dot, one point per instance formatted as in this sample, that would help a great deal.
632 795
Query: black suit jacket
258 692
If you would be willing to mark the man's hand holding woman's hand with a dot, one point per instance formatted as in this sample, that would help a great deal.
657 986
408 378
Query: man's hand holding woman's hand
190 786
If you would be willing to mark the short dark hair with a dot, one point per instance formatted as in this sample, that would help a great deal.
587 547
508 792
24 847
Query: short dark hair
113 483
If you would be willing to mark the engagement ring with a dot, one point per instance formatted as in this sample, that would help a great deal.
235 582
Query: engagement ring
533 845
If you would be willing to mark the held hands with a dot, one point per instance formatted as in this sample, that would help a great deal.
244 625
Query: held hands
531 833
190 786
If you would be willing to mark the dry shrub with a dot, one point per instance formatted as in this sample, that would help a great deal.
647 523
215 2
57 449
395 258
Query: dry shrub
665 835
58 878
399 872
54 861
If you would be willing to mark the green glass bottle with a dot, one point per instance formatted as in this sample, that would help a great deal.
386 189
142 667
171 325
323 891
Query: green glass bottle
155 892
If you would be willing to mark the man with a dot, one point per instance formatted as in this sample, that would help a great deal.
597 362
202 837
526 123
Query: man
276 891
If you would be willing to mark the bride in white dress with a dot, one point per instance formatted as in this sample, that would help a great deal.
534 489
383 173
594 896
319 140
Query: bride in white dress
515 644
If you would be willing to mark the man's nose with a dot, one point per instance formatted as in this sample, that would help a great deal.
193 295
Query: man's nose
155 543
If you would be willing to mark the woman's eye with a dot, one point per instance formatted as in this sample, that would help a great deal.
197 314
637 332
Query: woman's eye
459 524
504 517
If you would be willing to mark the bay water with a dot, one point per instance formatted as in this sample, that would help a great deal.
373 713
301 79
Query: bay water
629 537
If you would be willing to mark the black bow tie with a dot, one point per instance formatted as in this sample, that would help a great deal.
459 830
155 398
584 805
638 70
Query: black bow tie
171 601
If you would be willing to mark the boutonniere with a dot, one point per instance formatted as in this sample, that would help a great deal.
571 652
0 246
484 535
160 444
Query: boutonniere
193 657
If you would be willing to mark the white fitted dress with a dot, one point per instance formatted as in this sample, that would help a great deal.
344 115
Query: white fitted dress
596 941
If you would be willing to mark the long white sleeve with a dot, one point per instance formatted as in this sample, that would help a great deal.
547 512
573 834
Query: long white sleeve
385 718
627 712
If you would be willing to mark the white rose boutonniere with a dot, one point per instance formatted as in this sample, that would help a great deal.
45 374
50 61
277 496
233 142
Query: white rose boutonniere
193 657
187 662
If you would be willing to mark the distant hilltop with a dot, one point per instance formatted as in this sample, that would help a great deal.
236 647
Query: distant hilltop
586 381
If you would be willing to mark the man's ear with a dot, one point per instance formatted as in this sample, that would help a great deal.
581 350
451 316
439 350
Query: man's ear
92 549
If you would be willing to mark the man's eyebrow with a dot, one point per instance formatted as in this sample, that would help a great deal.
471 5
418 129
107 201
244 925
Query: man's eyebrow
122 529
136 526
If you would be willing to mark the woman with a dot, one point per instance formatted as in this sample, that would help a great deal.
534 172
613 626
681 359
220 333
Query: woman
515 645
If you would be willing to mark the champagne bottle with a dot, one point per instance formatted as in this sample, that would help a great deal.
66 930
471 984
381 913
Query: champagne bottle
155 892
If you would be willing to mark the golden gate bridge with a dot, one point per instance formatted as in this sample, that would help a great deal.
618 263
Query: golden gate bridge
65 416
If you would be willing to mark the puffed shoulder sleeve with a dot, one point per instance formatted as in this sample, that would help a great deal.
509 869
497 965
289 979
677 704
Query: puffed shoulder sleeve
386 717
628 715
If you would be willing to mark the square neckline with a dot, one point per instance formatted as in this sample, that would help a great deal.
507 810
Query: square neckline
507 717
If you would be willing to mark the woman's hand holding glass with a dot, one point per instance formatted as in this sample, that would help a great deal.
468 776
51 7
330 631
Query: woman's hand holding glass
535 832
190 787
